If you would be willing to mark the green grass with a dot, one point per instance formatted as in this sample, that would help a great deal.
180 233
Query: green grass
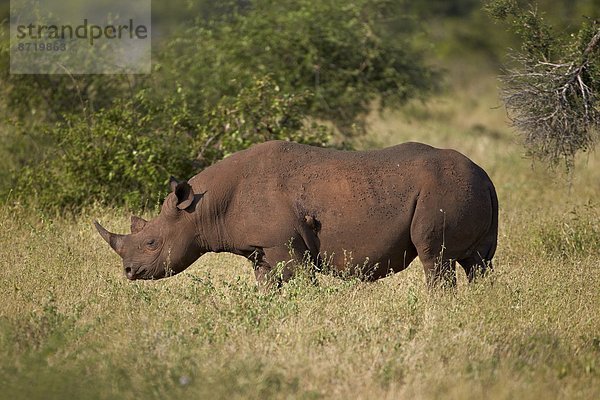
71 326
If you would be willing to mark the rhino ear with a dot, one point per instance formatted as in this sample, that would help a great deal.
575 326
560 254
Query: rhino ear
173 183
137 224
183 193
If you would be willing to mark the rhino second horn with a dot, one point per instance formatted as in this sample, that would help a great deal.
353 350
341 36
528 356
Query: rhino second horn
114 240
137 224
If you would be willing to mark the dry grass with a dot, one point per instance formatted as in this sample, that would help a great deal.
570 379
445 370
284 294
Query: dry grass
72 327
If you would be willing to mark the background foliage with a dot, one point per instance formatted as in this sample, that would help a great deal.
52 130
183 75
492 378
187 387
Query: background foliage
231 74
124 155
236 74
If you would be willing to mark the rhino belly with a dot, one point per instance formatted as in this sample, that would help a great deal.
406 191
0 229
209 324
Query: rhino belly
369 242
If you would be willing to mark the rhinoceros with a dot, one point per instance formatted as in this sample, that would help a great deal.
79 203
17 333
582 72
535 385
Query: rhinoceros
363 214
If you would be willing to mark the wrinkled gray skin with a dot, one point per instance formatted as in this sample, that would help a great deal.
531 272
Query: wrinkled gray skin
365 214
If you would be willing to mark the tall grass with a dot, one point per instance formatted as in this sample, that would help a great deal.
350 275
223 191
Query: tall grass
72 327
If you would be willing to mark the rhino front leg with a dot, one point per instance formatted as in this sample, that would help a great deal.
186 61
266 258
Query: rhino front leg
274 266
265 277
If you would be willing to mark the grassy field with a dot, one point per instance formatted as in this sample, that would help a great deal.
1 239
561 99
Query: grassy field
71 326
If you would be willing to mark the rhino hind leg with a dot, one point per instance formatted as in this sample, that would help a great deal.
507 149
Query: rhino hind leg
439 271
476 266
439 263
479 263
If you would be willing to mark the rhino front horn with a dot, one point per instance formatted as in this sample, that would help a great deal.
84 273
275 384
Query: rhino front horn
115 240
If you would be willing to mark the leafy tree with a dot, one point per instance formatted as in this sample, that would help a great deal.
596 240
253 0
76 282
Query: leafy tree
244 72
124 154
551 91
347 53
454 8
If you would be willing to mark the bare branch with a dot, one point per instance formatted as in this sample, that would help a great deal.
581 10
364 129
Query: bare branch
553 105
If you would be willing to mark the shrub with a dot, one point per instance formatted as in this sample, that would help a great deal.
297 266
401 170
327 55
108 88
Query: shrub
119 156
124 155
252 71
258 113
551 92
347 53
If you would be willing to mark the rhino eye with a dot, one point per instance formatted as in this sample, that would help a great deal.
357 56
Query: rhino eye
152 244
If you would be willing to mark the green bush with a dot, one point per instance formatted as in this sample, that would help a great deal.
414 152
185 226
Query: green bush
39 99
244 73
119 156
347 53
258 113
124 155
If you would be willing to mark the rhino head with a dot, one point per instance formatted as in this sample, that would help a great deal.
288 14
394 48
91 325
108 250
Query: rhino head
164 246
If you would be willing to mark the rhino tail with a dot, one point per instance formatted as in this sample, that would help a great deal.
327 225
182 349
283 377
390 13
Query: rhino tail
493 231
487 247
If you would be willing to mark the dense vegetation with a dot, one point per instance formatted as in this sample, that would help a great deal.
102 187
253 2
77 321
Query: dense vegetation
229 75
253 71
